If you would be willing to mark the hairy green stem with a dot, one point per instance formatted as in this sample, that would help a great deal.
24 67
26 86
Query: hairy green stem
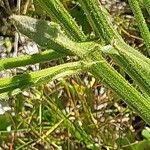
139 65
134 4
129 94
99 19
101 69
55 9
140 73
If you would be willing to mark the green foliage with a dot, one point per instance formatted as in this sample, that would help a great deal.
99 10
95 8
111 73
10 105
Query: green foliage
63 37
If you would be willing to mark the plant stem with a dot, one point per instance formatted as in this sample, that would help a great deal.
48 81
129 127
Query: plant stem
55 9
101 69
130 95
110 73
9 63
136 64
134 4
99 20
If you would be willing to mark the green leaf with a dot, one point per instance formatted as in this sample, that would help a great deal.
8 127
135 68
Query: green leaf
47 55
49 35
14 85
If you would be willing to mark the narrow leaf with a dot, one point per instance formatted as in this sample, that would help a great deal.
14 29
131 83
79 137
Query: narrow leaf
47 55
13 85
49 35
